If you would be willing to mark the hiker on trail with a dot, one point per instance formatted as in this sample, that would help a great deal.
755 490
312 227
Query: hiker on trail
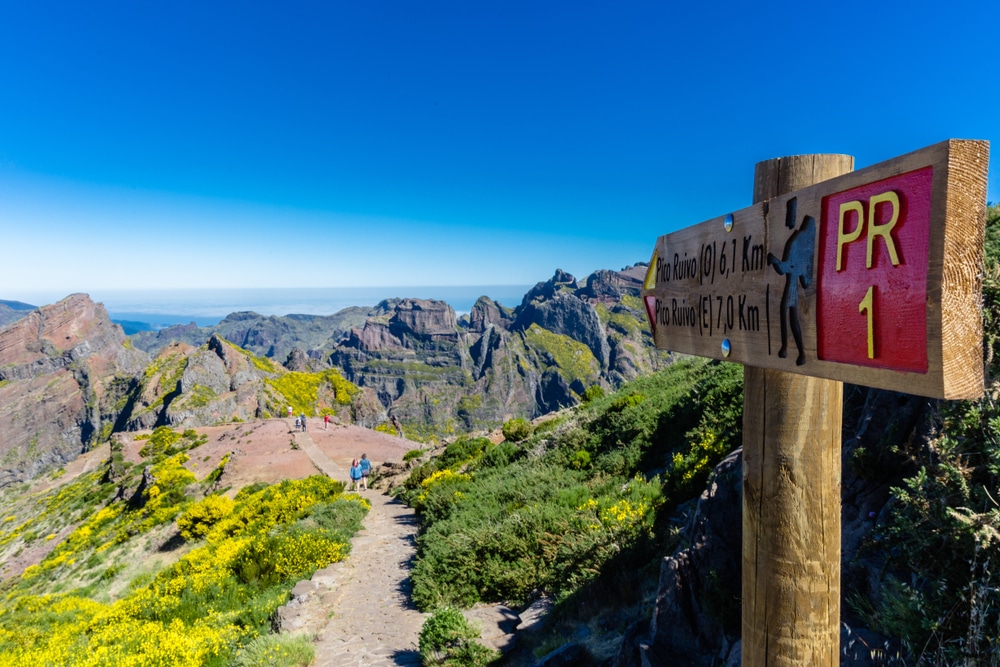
303 422
355 474
326 422
298 424
289 412
366 468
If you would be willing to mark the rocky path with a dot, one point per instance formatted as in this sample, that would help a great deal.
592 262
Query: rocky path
360 608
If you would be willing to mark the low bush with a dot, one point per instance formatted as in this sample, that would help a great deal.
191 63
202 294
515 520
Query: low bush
516 430
200 517
592 393
447 638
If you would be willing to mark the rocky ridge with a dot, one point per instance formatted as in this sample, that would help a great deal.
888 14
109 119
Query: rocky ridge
65 372
269 336
440 373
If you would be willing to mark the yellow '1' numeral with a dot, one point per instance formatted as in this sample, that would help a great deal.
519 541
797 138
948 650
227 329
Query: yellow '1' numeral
867 304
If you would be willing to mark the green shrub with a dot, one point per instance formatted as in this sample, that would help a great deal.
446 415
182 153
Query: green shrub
413 454
580 460
516 430
463 450
447 638
592 393
500 456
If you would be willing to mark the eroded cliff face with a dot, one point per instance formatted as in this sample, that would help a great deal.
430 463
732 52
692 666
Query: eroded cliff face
66 372
440 373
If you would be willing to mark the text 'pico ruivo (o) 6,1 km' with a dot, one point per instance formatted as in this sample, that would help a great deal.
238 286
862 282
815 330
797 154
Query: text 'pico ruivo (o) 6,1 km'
873 277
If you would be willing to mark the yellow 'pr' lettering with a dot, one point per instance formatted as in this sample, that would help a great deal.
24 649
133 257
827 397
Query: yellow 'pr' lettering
843 238
882 230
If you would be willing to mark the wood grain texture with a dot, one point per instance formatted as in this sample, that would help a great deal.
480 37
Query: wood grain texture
709 284
791 490
961 276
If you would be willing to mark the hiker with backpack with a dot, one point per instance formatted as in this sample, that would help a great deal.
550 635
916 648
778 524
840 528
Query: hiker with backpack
366 467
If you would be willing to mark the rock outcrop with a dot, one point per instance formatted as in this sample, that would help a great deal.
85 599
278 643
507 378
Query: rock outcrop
697 615
185 386
66 375
439 373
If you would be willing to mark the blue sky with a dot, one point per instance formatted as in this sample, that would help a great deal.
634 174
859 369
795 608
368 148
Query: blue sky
375 143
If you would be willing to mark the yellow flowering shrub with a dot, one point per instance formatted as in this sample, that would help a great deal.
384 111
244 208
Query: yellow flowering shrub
200 517
302 390
202 608
445 477
623 514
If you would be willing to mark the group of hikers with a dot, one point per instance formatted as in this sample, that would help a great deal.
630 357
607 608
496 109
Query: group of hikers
300 421
360 470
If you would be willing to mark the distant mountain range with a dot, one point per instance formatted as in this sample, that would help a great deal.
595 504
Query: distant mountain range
69 377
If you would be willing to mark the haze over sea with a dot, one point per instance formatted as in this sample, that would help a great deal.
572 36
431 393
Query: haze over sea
163 307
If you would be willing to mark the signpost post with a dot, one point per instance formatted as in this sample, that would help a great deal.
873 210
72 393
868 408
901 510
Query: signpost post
871 277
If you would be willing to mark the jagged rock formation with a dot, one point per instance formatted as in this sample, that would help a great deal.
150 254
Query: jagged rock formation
440 373
218 382
297 361
696 620
65 375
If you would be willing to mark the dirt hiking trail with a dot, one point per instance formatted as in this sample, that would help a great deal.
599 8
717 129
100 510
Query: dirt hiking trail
360 609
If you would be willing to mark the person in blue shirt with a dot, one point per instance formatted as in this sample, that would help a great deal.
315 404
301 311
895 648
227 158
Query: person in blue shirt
366 468
355 474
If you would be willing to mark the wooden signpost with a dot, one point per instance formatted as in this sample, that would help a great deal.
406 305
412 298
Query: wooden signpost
871 277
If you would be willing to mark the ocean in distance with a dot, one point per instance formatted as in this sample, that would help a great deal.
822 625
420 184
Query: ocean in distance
206 307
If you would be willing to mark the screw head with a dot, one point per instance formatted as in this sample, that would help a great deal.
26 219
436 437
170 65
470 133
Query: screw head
726 347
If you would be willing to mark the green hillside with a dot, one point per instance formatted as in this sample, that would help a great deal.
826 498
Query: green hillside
580 509
170 575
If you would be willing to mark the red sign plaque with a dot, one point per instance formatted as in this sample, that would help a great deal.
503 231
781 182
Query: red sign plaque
872 290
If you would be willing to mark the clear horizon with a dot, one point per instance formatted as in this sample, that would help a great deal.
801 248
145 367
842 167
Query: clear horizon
162 307
207 145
